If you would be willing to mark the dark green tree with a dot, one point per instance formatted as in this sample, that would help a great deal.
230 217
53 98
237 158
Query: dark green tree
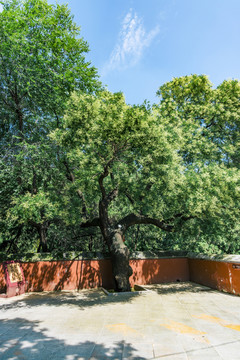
42 60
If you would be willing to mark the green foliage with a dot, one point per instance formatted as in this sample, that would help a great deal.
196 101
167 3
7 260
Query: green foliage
42 60
207 122
172 162
65 143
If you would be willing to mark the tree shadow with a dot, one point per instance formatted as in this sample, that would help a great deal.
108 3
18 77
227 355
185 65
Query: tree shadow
179 288
155 271
67 275
24 339
81 299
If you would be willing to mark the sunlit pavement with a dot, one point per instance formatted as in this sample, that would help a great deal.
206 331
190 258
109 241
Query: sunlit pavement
172 321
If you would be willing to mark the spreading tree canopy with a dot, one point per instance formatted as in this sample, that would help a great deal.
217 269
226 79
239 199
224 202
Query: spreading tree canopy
165 166
74 157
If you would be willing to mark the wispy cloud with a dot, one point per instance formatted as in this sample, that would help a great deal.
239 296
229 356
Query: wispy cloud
132 41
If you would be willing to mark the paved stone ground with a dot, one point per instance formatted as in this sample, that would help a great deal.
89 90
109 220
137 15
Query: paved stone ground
173 321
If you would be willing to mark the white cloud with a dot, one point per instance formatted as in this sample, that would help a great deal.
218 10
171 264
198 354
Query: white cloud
132 41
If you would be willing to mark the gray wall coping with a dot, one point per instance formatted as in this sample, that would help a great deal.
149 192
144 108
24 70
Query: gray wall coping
230 258
137 255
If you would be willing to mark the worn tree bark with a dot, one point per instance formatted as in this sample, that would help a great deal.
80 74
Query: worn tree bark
113 231
120 262
119 252
113 235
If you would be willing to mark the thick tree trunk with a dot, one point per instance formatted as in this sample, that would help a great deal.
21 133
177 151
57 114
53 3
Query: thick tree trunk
119 252
113 235
120 262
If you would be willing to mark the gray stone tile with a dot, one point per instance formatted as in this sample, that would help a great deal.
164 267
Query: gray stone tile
207 353
178 356
230 350
138 351
108 349
168 348
167 323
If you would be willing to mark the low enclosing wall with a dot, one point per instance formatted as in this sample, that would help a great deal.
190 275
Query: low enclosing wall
85 274
221 273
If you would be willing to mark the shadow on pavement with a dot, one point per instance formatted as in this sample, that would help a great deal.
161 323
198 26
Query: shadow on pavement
23 339
81 299
178 287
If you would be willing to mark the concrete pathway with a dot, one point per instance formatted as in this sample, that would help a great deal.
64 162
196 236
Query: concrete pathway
172 321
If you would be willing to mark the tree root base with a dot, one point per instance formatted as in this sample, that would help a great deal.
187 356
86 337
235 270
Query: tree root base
137 289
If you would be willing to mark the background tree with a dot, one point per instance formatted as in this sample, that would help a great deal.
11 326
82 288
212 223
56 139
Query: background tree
211 118
211 145
42 60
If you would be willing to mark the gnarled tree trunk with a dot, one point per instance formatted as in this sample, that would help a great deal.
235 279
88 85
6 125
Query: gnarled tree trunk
113 232
118 250
120 262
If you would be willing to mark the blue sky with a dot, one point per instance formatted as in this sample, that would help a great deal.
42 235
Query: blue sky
138 45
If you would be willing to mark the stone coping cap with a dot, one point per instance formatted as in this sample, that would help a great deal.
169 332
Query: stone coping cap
71 256
216 257
137 255
157 254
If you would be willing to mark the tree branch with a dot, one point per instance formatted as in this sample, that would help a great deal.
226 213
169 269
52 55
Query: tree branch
133 219
147 188
79 192
90 223
111 196
103 175
130 198
100 181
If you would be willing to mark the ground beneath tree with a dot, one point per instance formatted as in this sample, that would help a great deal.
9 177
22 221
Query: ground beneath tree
173 321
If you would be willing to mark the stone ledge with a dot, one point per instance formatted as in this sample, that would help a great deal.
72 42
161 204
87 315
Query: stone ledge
217 257
137 255
74 255
66 256
157 254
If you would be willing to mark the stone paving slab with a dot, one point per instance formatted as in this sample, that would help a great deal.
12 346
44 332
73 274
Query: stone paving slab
182 321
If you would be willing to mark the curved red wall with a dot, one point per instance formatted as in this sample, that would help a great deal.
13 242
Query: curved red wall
219 275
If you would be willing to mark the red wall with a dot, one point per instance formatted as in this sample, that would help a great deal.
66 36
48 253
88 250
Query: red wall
80 274
2 280
218 275
67 275
155 271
